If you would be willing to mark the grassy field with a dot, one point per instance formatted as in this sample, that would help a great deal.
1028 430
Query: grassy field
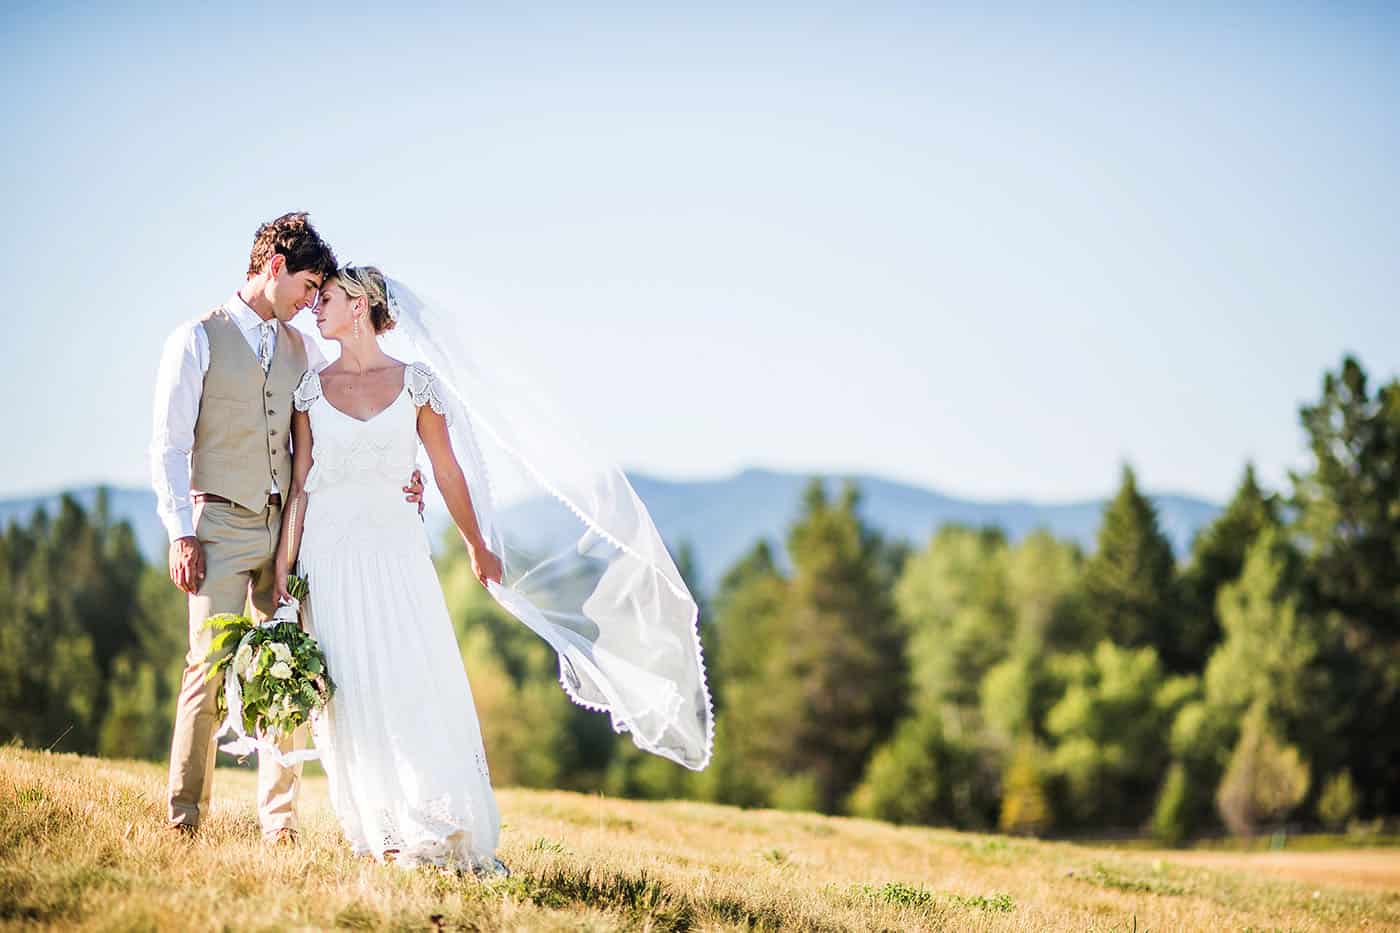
82 847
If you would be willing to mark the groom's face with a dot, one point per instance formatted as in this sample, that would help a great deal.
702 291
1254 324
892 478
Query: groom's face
292 291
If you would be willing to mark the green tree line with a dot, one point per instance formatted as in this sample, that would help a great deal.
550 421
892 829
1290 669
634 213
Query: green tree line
971 681
92 638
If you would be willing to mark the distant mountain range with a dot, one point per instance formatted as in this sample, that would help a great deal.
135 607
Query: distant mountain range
722 518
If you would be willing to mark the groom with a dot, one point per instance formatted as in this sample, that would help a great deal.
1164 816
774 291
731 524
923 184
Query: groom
220 462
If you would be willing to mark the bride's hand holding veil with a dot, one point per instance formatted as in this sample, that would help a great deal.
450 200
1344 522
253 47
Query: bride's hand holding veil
486 565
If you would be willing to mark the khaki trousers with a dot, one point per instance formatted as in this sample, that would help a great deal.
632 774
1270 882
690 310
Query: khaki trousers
239 545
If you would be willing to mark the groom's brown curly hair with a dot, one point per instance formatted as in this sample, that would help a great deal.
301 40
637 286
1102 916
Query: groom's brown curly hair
292 237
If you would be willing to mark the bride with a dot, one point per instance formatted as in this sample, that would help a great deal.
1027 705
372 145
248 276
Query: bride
583 567
400 741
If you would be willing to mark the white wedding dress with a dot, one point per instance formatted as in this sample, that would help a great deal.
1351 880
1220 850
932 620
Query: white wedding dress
400 740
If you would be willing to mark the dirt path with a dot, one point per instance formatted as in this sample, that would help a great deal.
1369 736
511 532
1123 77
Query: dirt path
1373 869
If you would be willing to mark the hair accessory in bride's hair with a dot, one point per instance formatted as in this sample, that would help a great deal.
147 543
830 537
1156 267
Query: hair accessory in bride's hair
368 282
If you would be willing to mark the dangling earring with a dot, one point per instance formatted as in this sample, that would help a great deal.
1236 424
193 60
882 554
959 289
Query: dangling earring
357 327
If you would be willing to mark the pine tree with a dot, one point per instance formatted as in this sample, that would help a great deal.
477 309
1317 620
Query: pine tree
746 666
1347 501
747 603
1129 582
1349 523
840 677
1217 558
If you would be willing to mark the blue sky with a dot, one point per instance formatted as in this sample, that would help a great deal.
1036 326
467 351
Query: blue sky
996 255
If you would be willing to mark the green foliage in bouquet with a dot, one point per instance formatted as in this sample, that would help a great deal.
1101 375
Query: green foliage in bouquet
281 668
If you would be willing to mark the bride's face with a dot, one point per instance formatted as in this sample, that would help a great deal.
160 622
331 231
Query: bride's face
335 313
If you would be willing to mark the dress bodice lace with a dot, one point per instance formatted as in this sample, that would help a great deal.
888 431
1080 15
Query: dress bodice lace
419 381
368 460
424 388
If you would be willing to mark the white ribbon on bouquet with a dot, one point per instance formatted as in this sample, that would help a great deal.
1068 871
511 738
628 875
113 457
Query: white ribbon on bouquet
244 744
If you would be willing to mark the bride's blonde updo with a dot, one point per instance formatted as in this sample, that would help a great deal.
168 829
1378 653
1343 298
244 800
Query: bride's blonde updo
367 282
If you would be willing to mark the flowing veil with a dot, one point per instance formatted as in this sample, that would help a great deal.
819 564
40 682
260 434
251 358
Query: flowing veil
584 566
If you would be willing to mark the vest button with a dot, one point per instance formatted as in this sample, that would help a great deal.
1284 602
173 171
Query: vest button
271 412
271 433
269 395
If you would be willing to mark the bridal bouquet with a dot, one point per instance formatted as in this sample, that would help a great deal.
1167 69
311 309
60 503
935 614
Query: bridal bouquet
274 674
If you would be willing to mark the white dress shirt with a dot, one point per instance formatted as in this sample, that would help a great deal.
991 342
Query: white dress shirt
179 385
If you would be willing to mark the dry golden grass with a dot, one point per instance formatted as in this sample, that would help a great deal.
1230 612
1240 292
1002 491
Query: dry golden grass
82 847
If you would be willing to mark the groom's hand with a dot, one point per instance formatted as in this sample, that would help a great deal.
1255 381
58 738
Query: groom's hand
187 564
415 489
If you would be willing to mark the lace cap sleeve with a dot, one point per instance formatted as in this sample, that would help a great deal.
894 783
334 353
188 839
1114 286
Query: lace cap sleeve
307 391
424 389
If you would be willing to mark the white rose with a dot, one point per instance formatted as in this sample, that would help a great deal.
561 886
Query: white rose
281 670
281 651
243 661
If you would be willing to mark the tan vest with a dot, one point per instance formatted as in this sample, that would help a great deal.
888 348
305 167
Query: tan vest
242 433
